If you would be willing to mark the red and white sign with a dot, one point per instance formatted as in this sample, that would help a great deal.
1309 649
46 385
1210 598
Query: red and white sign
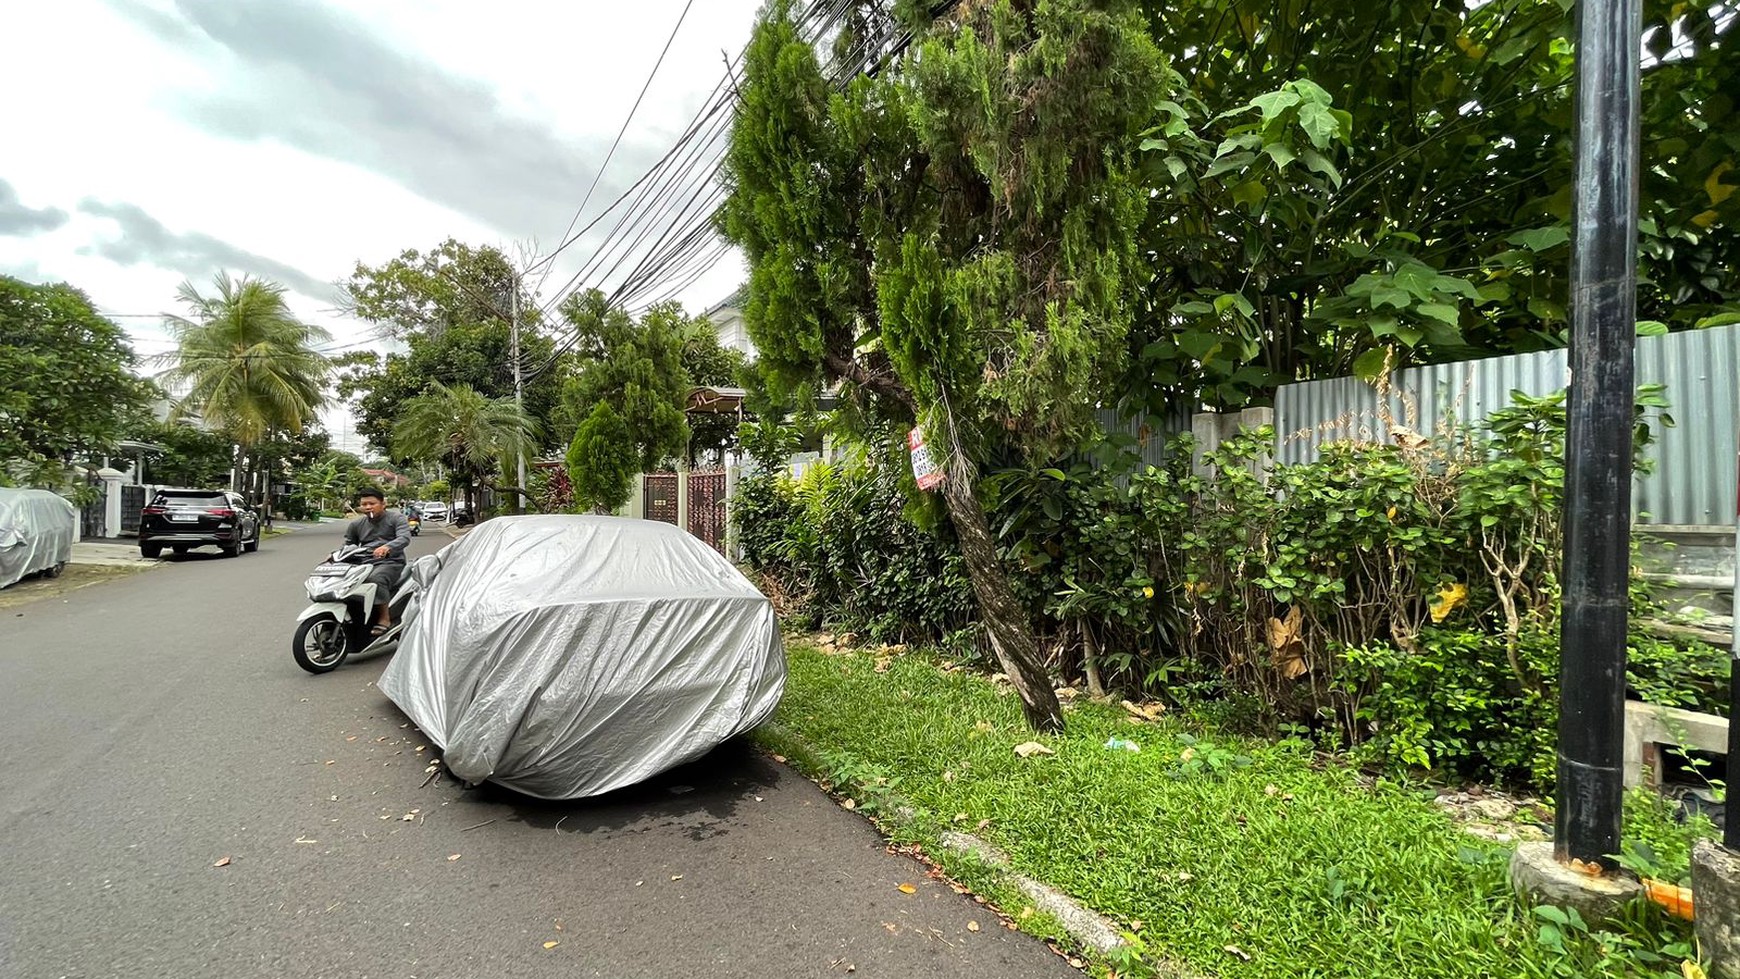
924 469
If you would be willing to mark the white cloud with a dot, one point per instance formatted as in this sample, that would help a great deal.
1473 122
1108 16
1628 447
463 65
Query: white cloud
305 137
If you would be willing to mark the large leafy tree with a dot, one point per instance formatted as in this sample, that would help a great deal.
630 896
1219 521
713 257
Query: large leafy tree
468 432
68 388
954 240
1339 186
635 369
452 307
247 367
190 456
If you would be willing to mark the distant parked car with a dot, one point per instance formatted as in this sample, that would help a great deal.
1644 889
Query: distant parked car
182 518
434 511
36 534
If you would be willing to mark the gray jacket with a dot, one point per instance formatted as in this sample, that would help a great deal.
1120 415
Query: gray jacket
390 529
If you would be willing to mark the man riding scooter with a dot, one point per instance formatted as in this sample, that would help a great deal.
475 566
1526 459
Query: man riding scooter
391 534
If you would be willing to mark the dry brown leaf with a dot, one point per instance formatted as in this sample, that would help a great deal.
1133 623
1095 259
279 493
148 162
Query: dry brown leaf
948 776
676 876
452 857
1144 712
972 926
1287 645
1027 749
222 862
849 804
1243 955
351 738
907 889
550 945
982 824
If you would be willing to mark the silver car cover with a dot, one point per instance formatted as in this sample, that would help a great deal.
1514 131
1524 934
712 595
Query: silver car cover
566 656
37 529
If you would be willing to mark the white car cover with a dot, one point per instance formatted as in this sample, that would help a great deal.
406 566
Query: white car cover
37 530
566 656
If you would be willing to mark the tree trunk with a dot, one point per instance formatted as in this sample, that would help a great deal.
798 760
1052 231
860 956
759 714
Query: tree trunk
1011 634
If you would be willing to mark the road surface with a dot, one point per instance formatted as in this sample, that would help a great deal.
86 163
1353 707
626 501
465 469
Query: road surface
155 726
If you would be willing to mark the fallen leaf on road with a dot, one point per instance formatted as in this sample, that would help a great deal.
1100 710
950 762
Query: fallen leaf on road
849 804
1027 749
408 817
222 862
972 926
329 761
421 747
452 857
1076 963
676 876
549 945
779 758
907 889
351 738
304 839
891 927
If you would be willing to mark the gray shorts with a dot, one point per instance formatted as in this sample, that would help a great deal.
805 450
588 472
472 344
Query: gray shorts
386 576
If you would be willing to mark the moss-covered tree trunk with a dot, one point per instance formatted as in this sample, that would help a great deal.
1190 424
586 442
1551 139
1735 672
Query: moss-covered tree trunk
1006 621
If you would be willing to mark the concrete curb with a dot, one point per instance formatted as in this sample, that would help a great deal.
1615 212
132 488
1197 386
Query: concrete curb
1085 926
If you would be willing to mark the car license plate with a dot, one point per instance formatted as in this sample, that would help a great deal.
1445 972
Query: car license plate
184 517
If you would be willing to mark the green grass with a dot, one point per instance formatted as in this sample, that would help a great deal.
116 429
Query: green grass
1303 864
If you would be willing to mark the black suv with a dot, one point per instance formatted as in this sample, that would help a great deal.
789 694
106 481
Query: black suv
184 518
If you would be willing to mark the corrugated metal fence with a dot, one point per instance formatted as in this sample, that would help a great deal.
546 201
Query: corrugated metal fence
1694 478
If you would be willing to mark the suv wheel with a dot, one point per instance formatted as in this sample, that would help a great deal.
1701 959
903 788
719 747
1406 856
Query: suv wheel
152 551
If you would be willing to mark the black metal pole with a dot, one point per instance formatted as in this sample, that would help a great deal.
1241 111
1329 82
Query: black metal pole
1731 829
1598 446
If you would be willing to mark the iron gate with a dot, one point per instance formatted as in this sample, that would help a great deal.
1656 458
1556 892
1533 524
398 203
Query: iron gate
132 501
660 500
707 508
91 514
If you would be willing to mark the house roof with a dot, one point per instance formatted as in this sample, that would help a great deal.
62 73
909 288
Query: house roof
733 301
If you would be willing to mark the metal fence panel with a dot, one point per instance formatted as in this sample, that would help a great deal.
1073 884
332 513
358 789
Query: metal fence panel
1694 481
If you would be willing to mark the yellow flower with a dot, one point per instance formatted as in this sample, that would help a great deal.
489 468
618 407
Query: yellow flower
1148 592
1392 514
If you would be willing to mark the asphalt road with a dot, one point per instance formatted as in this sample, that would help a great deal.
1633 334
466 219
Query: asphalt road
153 726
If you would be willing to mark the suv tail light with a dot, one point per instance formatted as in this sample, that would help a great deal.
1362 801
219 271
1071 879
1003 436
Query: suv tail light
155 510
222 511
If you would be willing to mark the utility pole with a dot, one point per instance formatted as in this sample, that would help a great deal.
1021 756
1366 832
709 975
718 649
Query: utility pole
519 389
1598 443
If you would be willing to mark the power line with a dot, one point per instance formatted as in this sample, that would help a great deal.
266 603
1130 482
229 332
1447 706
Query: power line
632 110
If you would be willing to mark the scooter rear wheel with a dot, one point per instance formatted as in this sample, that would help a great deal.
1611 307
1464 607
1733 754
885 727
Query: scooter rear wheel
321 644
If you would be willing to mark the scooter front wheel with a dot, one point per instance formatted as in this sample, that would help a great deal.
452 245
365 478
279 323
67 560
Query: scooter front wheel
321 644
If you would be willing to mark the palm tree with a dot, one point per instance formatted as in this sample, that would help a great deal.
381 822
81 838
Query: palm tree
248 365
464 430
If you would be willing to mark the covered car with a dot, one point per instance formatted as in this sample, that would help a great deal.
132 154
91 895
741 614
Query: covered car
37 530
566 656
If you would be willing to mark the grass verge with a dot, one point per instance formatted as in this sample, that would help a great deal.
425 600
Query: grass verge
1232 857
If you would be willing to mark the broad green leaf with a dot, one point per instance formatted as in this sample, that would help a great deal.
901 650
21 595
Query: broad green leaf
1198 344
1319 123
1281 153
1227 164
1418 279
1541 239
1230 300
1390 296
1651 328
1720 319
1275 103
1250 193
1442 312
1320 164
1369 365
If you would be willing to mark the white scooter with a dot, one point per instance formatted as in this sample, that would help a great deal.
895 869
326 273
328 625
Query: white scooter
338 622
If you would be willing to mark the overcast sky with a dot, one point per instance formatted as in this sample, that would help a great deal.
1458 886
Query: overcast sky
151 141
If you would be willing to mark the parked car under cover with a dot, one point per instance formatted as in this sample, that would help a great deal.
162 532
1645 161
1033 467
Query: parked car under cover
180 519
37 530
566 656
